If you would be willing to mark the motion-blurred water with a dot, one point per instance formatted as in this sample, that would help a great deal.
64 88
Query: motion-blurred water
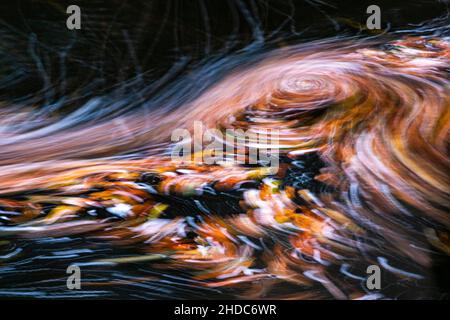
86 176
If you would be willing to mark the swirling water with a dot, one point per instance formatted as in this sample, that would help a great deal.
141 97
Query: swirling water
363 179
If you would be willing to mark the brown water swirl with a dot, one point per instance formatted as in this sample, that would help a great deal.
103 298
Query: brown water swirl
377 119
